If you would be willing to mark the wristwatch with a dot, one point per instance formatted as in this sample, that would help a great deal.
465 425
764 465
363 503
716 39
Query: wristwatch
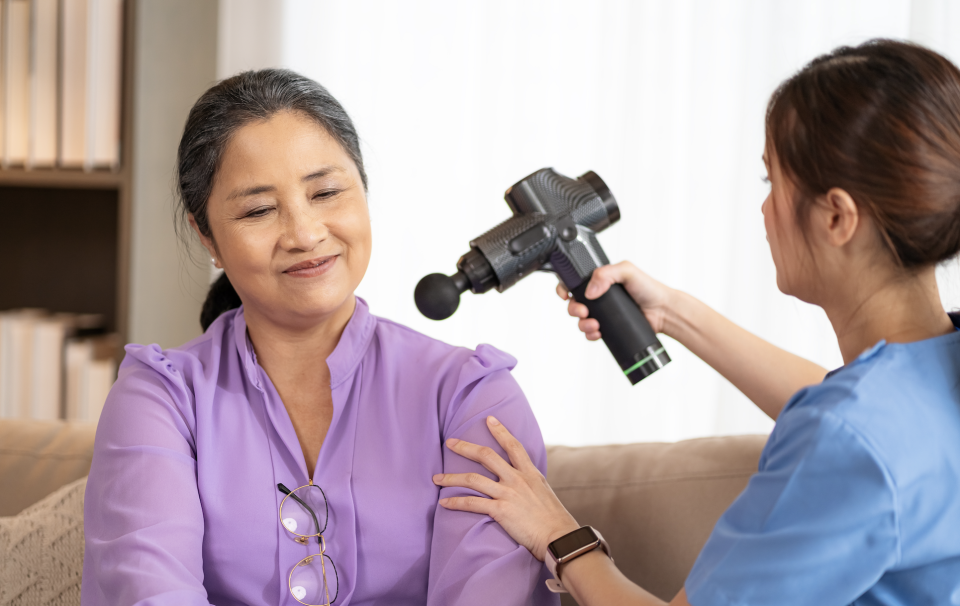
570 547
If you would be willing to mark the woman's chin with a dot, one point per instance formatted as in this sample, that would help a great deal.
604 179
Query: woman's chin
304 310
321 306
780 284
784 286
803 294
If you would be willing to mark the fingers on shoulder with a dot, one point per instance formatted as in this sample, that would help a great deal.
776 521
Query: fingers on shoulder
471 504
489 457
519 457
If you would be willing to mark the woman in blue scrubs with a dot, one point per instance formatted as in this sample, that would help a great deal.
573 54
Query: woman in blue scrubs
857 497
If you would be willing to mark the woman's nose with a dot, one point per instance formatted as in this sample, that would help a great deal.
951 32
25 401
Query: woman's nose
302 231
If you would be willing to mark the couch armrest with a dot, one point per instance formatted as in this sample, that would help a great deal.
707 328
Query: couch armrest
656 504
38 457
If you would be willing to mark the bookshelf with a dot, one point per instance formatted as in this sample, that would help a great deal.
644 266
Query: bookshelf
63 178
102 241
112 250
67 231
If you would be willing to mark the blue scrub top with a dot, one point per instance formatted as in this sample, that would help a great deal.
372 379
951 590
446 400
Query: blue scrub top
857 498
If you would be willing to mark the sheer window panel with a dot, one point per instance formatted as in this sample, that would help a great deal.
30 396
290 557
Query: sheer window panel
454 102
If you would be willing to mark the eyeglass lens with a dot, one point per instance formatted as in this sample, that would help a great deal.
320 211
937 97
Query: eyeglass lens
304 512
313 581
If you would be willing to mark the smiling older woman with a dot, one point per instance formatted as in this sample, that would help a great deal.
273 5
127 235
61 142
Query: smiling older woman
193 497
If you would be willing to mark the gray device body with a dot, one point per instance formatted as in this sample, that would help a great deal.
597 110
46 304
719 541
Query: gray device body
554 228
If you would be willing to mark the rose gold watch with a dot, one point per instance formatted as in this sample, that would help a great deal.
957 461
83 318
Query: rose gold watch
570 547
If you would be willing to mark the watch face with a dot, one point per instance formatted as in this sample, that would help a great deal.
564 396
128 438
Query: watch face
576 540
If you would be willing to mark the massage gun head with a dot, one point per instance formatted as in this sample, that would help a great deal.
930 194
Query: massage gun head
438 296
555 219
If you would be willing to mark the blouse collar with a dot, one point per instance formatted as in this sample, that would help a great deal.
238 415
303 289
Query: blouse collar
342 362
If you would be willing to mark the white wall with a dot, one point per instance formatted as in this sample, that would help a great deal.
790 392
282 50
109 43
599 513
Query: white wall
175 55
455 101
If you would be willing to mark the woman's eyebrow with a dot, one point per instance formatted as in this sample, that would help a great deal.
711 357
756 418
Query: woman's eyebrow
260 189
251 191
323 172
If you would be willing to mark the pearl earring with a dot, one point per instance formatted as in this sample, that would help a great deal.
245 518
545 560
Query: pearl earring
213 260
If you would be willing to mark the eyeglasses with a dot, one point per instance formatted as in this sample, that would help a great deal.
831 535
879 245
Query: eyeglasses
304 513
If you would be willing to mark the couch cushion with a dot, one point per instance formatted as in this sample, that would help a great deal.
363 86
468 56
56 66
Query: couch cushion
38 457
41 551
656 504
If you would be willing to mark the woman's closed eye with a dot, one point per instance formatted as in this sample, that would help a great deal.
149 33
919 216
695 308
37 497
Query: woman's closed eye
256 213
326 194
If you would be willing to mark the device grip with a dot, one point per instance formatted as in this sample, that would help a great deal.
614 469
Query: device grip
625 330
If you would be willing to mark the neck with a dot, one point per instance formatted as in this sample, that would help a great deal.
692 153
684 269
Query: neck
896 307
296 344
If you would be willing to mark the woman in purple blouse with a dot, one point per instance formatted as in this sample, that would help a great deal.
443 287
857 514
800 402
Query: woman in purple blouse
300 386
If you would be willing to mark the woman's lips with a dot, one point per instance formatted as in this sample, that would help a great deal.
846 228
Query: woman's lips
311 268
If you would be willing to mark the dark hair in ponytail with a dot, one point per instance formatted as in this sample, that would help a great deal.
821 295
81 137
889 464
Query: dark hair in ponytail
881 121
222 110
220 298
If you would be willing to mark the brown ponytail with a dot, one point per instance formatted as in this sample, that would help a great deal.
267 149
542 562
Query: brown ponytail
882 122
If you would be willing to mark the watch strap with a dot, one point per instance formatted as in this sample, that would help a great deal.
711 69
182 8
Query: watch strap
555 585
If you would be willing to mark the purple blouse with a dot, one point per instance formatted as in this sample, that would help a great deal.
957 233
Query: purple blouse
181 505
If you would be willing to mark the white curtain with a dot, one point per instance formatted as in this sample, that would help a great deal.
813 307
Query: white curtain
455 101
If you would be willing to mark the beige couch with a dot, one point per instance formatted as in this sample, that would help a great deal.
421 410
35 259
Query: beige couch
655 503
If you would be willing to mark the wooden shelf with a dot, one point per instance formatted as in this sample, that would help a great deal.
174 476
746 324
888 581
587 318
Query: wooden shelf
59 177
86 235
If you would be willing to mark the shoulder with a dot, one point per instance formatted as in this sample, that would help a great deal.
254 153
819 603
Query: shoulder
173 373
891 382
415 348
897 401
440 372
888 376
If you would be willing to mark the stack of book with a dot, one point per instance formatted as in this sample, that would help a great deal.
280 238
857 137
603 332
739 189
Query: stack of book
54 366
60 90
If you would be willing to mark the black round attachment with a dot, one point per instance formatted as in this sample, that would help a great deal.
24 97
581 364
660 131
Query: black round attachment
437 296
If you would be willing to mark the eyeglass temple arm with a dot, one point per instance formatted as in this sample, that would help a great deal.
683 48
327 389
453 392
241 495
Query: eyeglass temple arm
336 575
289 493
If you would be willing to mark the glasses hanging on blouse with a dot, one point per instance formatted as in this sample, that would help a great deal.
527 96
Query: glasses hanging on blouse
304 513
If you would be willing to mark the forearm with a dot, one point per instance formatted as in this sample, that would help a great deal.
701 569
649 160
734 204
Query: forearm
593 580
766 374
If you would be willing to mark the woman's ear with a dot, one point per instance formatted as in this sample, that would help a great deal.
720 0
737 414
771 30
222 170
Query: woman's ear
207 242
836 216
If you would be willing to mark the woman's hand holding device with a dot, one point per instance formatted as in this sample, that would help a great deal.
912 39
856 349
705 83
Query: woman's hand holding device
653 297
768 375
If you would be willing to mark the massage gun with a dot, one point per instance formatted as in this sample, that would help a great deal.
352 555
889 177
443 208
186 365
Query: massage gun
554 228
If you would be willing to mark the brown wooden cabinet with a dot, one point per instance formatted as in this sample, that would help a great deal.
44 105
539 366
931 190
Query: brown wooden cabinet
103 241
65 233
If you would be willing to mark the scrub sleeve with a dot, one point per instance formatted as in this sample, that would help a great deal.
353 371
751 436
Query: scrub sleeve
817 525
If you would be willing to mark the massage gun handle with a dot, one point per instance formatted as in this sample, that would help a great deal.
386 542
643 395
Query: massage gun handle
625 330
